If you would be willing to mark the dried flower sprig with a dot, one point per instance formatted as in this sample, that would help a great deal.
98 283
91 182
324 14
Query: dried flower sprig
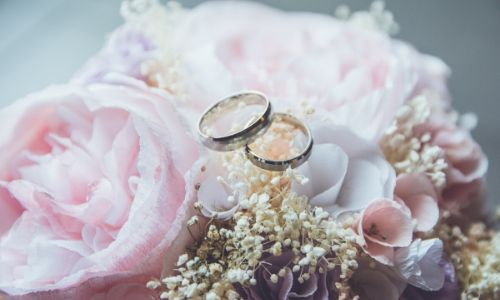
158 21
474 252
271 221
376 18
409 153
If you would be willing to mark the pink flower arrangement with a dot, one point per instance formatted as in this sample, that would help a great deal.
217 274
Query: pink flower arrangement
89 175
106 194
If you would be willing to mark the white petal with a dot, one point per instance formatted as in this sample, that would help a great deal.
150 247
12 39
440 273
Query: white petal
325 169
213 196
426 272
368 175
361 186
406 259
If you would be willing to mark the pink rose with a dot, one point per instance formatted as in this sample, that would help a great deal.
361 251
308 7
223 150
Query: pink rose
123 287
91 186
360 76
467 164
431 78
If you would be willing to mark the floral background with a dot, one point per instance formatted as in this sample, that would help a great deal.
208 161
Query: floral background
44 42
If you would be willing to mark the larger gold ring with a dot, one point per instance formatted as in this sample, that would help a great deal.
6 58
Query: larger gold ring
237 139
293 162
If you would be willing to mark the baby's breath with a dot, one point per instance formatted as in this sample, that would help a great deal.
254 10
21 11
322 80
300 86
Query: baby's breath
271 220
375 18
473 249
409 153
158 21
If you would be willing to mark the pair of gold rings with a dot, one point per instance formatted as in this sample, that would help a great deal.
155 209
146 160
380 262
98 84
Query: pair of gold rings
249 133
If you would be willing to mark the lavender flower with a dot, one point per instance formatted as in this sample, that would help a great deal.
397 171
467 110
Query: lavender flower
320 285
449 291
124 53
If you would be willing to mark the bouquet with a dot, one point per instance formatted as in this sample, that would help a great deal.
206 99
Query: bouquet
110 189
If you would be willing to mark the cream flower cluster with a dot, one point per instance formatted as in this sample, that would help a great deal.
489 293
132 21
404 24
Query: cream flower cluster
376 18
158 23
271 220
474 252
409 153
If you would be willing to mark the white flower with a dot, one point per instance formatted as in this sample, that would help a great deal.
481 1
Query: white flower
346 172
419 264
182 259
217 198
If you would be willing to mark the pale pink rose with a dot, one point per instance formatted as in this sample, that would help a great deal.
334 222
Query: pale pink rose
360 76
384 225
187 234
132 291
123 287
417 192
91 185
432 77
346 172
467 164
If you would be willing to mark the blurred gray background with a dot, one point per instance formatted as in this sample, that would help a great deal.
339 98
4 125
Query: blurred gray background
45 42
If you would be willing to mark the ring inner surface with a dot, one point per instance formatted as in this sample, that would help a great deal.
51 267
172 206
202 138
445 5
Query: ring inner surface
285 139
232 115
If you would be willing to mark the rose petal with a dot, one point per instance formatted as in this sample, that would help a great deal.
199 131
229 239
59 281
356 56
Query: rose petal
425 210
392 224
368 174
360 187
408 185
11 209
419 195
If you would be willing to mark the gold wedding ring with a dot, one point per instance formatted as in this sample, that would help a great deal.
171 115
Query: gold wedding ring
253 129
238 139
282 164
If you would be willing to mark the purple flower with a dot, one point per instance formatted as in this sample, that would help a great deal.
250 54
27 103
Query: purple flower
375 281
318 286
449 291
420 264
125 51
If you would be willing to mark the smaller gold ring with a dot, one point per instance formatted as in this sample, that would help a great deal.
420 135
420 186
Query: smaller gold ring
281 165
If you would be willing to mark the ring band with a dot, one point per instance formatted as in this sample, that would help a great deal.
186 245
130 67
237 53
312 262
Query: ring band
281 165
238 139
